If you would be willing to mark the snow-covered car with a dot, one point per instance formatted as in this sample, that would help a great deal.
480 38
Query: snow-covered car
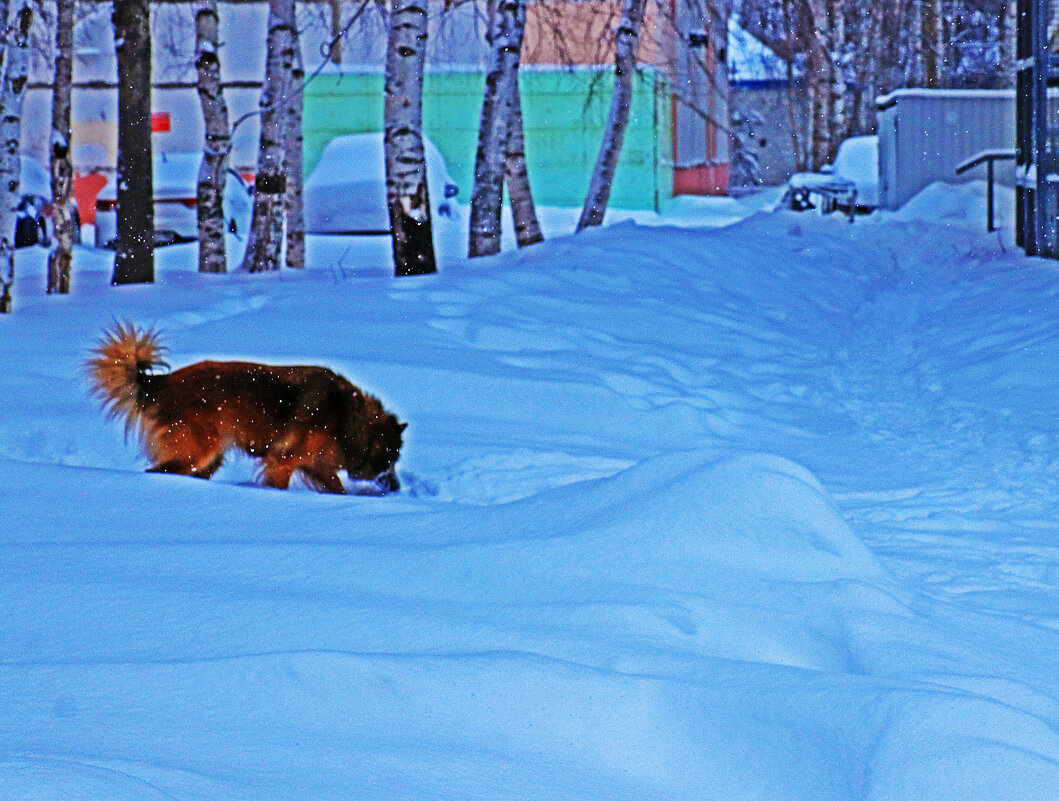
176 178
857 160
346 193
33 222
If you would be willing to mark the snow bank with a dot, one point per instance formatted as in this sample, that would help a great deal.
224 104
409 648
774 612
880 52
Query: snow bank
747 512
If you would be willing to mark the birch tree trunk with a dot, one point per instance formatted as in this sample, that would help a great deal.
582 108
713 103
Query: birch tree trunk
293 197
265 241
134 261
217 146
626 40
407 197
62 172
523 212
836 40
16 69
508 21
930 42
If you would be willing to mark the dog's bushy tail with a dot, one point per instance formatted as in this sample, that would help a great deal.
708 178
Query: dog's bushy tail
124 359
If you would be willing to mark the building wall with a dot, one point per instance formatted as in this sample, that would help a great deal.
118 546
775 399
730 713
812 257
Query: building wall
925 133
564 112
780 106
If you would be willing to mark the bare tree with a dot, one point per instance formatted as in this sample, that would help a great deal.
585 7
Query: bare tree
62 172
523 212
217 144
626 40
507 24
266 228
134 261
16 68
293 198
407 196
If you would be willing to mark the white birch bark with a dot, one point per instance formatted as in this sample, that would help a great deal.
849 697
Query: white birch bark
16 68
62 173
293 198
508 21
523 211
265 241
407 197
626 41
216 145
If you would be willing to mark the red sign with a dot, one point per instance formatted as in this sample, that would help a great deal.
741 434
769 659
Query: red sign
160 122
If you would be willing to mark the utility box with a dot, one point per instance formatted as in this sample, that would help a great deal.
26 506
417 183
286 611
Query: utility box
925 133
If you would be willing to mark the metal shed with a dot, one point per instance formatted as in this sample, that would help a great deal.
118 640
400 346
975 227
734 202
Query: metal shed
925 133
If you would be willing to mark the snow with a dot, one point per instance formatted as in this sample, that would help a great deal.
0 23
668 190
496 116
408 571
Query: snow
346 192
726 503
750 59
857 159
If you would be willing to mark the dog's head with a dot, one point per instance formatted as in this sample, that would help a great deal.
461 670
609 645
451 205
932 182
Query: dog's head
378 449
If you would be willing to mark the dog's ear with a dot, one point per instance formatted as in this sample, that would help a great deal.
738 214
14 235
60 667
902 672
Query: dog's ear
402 426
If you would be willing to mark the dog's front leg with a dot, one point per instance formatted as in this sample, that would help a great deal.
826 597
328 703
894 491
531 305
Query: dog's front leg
277 474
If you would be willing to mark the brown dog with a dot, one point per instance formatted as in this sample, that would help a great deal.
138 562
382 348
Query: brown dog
308 419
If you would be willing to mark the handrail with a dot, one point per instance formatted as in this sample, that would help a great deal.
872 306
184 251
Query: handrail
999 154
989 157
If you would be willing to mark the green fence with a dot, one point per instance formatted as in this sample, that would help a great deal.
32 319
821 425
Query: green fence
564 112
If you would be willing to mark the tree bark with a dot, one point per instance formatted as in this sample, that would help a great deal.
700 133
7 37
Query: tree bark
266 228
217 146
134 261
407 197
523 212
930 42
293 198
508 21
16 60
626 40
62 173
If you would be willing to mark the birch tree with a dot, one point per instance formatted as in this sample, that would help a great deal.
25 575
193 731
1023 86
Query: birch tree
62 172
626 40
507 24
217 144
293 198
266 227
134 261
16 68
523 211
407 197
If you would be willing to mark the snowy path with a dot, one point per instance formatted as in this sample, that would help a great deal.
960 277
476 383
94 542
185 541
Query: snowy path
758 512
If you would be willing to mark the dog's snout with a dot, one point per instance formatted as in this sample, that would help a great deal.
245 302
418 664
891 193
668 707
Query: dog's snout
388 481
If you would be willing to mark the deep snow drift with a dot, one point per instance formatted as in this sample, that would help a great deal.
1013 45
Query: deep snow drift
764 511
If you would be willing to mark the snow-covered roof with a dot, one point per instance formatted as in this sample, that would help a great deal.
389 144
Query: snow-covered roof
885 101
749 59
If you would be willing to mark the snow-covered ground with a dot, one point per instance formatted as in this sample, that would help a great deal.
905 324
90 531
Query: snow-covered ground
760 509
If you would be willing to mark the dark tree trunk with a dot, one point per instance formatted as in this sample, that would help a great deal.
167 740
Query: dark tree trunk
626 40
16 59
217 145
407 197
523 212
62 172
266 229
501 93
134 261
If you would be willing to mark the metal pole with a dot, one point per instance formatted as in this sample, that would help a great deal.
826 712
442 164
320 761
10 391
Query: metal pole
989 194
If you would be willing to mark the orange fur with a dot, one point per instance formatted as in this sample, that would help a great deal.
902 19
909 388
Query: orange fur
300 418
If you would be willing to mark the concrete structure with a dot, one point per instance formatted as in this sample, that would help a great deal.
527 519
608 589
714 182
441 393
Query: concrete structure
564 112
925 133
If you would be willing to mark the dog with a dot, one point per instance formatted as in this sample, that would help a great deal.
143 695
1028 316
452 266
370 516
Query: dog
304 418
